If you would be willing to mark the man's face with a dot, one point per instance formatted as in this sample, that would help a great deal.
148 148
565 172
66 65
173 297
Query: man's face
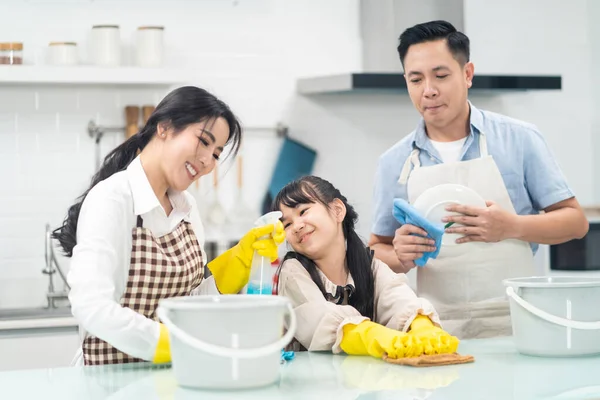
437 83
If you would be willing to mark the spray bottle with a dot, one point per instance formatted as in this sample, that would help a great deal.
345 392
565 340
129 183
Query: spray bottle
261 273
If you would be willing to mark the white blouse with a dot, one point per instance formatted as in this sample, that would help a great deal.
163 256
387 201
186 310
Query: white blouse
320 320
101 259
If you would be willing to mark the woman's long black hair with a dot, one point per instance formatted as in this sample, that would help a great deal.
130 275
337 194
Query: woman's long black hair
180 108
359 258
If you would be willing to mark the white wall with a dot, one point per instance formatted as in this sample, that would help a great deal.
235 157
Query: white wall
594 84
251 54
505 39
542 37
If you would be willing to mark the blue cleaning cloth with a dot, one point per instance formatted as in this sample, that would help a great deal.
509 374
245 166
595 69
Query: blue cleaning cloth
407 214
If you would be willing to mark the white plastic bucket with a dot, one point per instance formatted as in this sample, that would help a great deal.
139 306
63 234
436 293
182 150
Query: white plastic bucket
555 316
229 341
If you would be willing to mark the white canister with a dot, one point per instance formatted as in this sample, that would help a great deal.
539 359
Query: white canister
149 46
62 53
105 48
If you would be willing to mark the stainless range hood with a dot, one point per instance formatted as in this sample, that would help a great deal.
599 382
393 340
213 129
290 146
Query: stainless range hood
395 83
381 23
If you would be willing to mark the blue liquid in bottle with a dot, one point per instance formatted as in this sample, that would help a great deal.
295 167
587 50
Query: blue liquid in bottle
261 272
255 288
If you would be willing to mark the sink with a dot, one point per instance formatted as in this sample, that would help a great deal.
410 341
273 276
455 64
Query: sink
11 314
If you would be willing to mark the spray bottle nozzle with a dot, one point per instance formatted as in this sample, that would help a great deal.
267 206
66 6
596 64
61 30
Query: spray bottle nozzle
268 219
261 274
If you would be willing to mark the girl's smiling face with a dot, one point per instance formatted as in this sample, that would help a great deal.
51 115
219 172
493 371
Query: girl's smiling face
311 228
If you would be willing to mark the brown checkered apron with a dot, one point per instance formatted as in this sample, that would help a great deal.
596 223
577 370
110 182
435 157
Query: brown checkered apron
163 267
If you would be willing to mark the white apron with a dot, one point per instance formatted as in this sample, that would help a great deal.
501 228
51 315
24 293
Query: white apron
464 283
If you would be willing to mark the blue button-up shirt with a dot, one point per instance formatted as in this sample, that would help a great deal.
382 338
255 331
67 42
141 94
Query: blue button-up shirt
531 174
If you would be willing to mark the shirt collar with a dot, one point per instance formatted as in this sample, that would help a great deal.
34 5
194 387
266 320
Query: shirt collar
331 287
476 121
144 198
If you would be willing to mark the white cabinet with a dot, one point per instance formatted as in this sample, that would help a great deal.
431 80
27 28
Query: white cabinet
38 348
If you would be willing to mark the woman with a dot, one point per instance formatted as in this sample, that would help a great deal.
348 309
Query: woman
346 300
135 236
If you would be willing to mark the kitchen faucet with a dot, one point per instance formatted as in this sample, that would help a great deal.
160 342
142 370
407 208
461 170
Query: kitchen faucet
51 262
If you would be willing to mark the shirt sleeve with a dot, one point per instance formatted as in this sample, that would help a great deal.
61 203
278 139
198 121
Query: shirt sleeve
384 223
95 268
395 302
320 322
544 179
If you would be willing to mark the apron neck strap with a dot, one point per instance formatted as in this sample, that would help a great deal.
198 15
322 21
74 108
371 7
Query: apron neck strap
413 159
483 151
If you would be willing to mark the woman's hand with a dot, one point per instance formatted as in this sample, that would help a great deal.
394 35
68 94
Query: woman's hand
232 268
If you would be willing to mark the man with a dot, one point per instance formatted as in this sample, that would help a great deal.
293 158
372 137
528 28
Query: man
504 160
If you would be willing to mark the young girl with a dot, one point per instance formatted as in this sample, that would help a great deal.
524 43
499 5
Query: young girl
346 300
135 236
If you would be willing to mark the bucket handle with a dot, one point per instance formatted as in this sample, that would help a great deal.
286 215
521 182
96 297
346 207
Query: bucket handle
567 323
229 352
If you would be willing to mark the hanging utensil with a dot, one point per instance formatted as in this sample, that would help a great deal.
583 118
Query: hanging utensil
147 111
241 215
216 214
132 118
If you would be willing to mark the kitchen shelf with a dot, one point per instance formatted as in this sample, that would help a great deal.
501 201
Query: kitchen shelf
89 75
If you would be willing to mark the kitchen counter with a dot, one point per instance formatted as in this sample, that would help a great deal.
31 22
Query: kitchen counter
499 372
37 337
18 319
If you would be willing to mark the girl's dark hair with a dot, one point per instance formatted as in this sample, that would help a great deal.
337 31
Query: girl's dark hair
180 108
359 258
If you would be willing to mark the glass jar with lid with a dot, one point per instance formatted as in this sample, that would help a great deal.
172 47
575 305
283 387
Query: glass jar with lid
11 53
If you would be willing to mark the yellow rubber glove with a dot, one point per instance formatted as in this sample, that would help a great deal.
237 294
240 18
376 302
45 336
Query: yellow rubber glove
162 354
433 339
370 338
232 268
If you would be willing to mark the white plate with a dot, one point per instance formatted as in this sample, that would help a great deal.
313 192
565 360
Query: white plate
432 205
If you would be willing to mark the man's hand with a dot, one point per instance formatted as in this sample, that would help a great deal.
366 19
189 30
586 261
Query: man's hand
409 247
490 224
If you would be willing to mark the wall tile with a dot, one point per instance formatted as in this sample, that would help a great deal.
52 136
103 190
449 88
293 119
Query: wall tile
8 143
56 100
7 123
30 292
19 99
39 122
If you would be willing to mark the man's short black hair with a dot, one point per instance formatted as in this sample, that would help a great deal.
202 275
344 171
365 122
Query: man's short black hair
458 42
